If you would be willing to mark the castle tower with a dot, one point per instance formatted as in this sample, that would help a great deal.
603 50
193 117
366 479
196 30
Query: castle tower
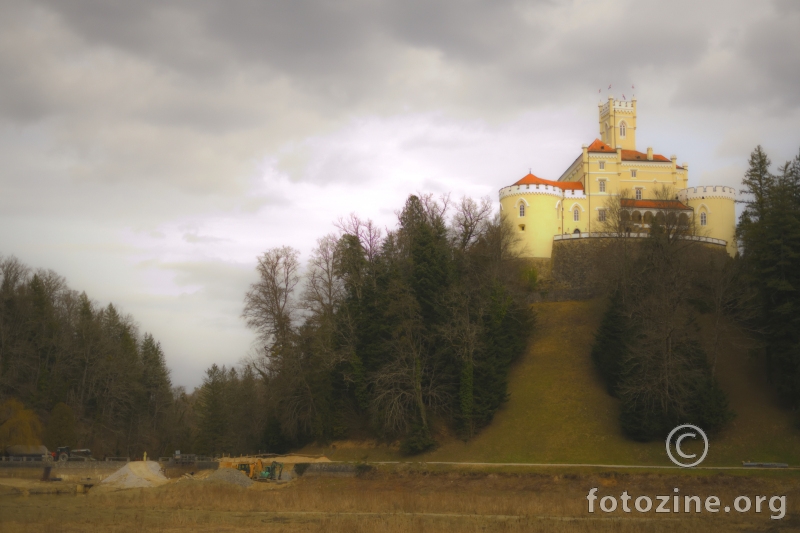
714 212
618 123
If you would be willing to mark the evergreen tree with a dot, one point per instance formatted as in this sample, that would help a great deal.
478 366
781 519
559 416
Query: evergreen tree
769 233
213 416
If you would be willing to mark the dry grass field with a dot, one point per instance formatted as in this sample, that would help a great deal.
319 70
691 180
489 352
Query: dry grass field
405 500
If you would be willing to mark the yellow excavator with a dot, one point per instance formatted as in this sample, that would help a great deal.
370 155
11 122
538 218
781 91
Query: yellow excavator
254 468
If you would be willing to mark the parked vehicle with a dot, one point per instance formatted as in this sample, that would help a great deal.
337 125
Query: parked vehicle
65 453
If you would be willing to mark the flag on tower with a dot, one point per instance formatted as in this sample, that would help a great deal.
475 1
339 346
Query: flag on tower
623 97
609 86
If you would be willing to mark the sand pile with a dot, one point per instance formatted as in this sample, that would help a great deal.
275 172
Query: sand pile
137 474
230 477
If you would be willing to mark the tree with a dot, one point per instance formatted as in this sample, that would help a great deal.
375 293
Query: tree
647 348
769 233
270 305
214 417
393 332
61 429
18 425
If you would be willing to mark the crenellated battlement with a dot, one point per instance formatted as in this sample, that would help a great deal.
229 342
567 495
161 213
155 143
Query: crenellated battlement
619 105
707 191
549 190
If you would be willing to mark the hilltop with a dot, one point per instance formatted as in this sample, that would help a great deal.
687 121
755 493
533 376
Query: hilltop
559 412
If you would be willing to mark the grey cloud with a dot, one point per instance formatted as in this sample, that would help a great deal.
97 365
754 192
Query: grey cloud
194 238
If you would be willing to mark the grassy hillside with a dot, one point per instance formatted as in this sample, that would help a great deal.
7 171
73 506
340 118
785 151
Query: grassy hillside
559 411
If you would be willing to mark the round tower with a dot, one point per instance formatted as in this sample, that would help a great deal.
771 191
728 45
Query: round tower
714 212
534 211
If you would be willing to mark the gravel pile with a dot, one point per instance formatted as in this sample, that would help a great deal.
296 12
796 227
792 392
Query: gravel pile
231 477
133 475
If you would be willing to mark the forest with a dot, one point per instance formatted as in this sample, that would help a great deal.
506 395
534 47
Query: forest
382 334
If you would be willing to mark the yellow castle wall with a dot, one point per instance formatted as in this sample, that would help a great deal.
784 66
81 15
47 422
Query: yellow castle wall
718 205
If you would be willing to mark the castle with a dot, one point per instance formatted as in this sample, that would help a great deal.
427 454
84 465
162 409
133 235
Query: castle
575 206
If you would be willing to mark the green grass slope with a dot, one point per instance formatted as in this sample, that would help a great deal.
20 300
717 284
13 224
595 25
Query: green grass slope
559 412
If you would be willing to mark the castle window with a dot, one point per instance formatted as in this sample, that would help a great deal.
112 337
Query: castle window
522 227
601 215
576 215
703 219
522 210
638 194
622 128
602 185
602 165
633 173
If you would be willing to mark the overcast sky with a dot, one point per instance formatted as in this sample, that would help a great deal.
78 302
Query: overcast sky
149 151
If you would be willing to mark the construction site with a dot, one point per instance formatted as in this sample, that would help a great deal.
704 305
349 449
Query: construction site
311 493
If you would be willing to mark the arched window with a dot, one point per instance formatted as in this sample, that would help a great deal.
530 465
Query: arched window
576 215
622 128
521 209
703 219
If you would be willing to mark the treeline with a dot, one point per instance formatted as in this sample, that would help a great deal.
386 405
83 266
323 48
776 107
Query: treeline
85 371
769 234
382 335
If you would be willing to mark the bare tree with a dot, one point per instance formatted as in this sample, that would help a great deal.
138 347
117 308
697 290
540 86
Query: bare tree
270 305
407 387
324 289
470 221
366 231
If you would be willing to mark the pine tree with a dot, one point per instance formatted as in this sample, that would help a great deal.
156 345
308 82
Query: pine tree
213 416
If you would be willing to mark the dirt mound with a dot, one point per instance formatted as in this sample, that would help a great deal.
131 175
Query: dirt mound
137 474
231 477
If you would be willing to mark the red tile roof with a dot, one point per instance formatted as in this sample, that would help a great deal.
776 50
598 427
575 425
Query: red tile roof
652 204
600 146
530 179
627 155
633 155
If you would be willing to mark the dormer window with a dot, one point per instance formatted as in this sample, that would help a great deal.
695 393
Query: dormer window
622 128
522 210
